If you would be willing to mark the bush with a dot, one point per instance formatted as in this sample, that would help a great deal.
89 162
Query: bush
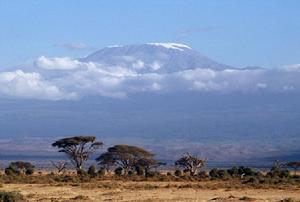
178 173
29 171
130 173
277 172
234 171
101 172
92 171
81 172
202 174
19 167
246 171
284 174
9 171
252 180
11 197
119 171
214 173
221 174
152 174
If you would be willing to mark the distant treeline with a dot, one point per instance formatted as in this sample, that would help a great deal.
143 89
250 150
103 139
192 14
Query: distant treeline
129 160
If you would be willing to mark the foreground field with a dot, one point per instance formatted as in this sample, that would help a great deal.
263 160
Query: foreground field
152 191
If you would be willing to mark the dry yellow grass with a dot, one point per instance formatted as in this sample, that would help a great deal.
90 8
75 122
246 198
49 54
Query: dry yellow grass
148 191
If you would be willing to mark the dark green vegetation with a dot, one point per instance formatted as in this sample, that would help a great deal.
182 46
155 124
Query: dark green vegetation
11 197
19 167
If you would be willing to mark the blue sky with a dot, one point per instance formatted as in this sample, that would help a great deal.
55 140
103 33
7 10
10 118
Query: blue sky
235 32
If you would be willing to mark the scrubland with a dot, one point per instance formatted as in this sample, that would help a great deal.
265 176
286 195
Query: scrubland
160 187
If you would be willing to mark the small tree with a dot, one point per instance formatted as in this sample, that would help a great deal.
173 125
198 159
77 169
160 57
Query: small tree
190 163
60 166
78 148
123 156
295 165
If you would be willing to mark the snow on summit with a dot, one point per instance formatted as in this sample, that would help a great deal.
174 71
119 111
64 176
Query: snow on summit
176 46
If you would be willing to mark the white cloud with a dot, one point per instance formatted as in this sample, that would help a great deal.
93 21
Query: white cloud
64 63
139 64
156 65
84 79
30 85
292 68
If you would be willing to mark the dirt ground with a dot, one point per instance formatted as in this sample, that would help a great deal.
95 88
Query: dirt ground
146 191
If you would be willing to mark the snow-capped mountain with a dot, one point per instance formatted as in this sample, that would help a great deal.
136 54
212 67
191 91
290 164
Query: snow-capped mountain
153 57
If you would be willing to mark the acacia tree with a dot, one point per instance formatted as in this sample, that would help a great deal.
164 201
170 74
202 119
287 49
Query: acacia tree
124 156
78 148
190 163
295 165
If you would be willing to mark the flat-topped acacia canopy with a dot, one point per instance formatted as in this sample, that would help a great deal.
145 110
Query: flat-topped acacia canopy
78 148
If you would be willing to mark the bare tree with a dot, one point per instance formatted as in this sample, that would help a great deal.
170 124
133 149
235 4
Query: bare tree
78 148
124 156
190 163
60 166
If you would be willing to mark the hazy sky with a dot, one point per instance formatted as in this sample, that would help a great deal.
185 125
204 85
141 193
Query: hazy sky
235 32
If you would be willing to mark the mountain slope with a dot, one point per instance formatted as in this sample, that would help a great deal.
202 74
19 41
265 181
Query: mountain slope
153 57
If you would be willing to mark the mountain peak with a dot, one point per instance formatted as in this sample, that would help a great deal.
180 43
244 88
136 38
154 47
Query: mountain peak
176 46
153 57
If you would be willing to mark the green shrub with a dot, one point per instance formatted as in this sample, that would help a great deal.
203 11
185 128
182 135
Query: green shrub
202 174
284 174
92 171
10 171
234 171
178 173
152 174
29 171
81 172
19 167
252 180
223 174
11 197
276 172
246 171
101 172
214 173
130 173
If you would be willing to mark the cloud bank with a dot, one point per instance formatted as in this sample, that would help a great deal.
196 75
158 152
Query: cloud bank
66 78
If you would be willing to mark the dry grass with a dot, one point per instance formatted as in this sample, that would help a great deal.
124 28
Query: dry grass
120 190
161 187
